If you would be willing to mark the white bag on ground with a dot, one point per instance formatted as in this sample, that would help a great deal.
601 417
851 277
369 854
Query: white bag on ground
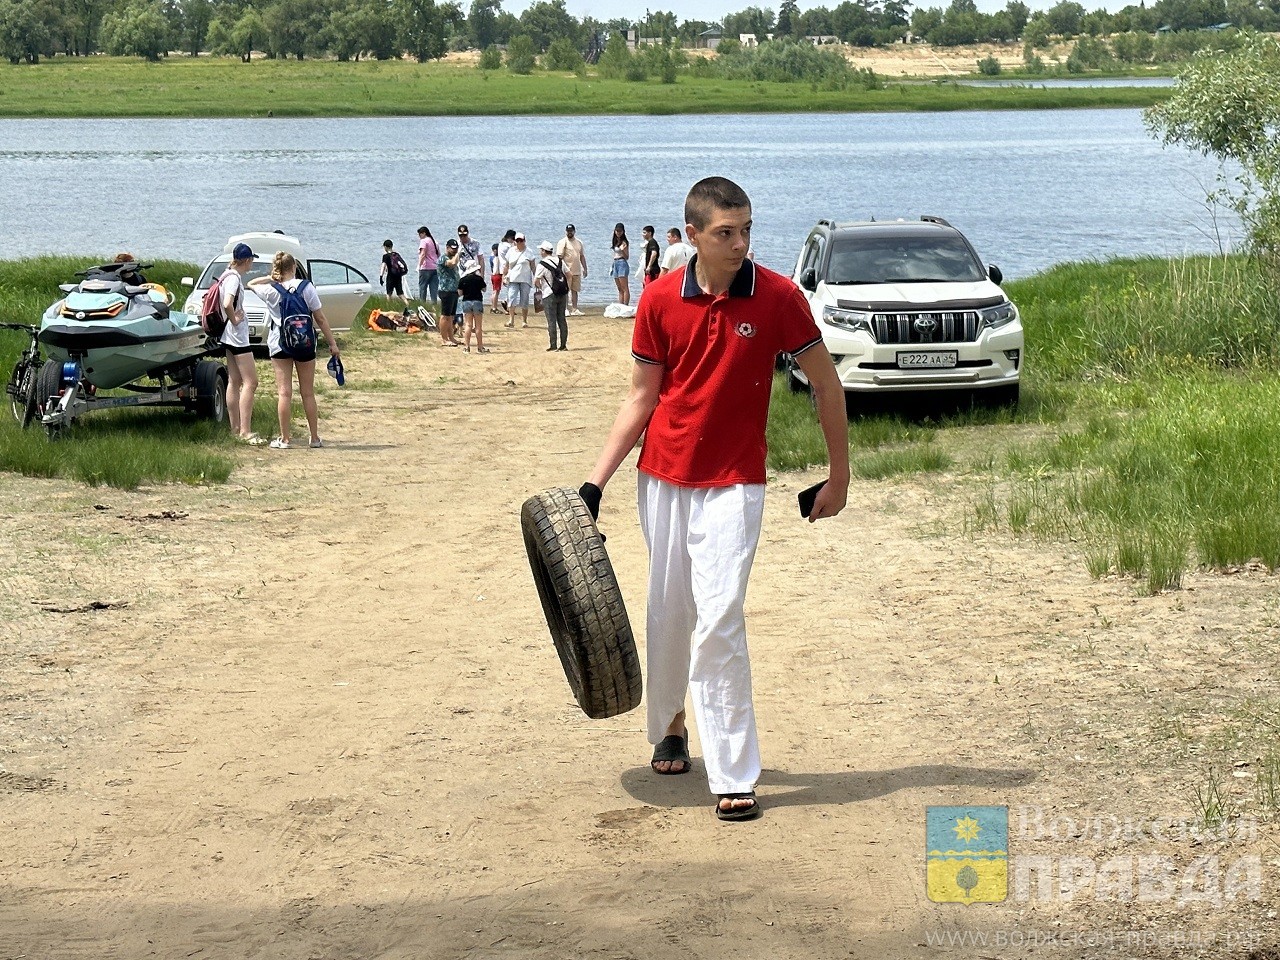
616 310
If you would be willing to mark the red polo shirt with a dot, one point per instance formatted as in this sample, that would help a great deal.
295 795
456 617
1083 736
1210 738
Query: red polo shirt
717 355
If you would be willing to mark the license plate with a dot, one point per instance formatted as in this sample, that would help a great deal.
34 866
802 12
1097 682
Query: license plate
927 359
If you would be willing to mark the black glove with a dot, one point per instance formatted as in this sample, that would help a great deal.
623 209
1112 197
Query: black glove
590 495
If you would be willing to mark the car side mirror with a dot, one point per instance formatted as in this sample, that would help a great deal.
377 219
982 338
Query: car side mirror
809 279
187 282
994 272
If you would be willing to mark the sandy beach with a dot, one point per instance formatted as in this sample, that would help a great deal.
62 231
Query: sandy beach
316 713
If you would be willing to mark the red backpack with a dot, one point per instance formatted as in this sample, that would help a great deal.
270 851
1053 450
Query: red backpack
212 318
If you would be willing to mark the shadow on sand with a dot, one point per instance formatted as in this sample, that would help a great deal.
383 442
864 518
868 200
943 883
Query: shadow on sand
783 789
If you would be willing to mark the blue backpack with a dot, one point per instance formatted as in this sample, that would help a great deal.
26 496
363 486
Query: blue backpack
297 331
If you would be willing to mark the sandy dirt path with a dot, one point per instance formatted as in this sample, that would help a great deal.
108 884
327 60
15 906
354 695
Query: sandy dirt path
321 716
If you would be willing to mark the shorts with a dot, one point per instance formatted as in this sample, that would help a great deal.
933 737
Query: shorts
284 356
395 284
518 294
620 268
237 350
575 282
471 306
496 281
448 303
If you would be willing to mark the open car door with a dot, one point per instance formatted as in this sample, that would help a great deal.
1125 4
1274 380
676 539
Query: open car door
342 288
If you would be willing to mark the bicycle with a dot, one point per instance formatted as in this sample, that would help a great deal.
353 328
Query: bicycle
22 387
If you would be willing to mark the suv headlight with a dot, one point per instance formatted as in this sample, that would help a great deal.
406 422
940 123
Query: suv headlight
854 320
999 315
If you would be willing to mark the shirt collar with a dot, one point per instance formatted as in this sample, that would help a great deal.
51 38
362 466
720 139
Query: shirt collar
743 284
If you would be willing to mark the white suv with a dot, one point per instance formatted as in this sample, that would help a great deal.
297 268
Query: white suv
342 288
908 306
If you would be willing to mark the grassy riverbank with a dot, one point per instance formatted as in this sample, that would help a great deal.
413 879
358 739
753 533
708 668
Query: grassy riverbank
1147 429
225 87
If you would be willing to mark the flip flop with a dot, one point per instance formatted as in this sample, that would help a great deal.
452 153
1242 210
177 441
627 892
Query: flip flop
672 749
741 813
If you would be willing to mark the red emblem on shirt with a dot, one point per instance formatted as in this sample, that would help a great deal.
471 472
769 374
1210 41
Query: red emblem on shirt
746 329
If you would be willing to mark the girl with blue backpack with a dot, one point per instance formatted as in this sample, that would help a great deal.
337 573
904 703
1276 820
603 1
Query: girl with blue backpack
294 310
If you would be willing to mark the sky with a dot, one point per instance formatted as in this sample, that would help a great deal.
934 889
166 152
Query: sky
713 10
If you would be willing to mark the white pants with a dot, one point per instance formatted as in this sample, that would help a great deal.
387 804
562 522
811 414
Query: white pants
702 542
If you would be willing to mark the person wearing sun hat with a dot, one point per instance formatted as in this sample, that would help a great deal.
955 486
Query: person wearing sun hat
471 303
554 305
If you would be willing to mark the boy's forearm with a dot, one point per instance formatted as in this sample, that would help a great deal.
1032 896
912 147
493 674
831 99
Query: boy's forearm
828 394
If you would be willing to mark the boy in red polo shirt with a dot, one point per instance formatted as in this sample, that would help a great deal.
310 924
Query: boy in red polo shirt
704 346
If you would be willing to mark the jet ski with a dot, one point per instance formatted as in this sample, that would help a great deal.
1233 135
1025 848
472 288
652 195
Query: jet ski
118 331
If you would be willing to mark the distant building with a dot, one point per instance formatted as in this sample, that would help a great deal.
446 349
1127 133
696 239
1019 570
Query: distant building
751 40
634 40
820 39
710 38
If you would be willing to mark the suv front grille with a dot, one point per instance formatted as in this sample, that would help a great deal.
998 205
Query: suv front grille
950 327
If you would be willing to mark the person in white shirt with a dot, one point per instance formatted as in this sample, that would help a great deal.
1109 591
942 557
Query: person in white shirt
504 247
571 251
519 281
242 374
284 271
677 253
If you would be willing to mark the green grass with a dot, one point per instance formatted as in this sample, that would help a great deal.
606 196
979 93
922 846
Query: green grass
225 87
119 448
123 449
1148 427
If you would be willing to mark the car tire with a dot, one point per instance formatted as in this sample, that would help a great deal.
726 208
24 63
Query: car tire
582 603
211 391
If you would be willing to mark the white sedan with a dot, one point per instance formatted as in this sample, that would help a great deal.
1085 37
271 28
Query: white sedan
342 288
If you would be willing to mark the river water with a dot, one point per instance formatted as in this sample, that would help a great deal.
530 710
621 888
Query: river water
1029 188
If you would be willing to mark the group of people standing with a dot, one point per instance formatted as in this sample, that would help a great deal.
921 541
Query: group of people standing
453 276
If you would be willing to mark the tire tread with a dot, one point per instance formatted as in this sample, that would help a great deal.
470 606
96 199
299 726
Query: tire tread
582 603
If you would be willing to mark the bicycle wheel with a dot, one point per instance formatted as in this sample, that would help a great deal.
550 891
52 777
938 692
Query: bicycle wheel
22 393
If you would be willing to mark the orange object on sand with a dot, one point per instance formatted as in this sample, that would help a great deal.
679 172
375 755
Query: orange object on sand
384 321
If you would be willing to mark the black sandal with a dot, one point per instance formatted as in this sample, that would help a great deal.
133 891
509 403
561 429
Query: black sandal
738 813
672 749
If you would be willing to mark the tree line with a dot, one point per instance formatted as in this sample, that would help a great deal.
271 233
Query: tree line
427 29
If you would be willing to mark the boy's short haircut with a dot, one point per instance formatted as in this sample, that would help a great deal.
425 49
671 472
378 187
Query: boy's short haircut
387 244
675 232
647 229
713 193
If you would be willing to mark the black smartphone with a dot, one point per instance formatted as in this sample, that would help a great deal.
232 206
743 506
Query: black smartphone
807 496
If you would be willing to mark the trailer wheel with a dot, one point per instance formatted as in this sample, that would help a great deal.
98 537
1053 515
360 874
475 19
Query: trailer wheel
211 390
48 385
582 603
